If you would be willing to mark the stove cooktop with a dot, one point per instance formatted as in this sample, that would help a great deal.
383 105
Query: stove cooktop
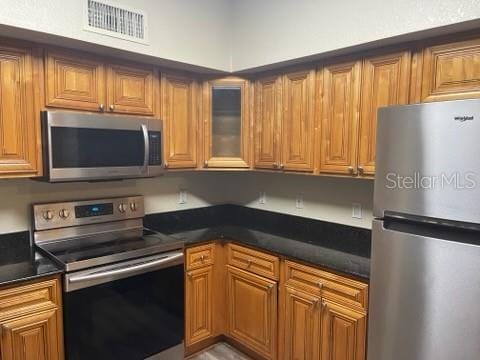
89 251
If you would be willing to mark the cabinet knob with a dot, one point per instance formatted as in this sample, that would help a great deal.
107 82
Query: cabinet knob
189 274
205 163
165 165
275 165
320 285
282 166
202 258
249 263
324 304
101 107
315 304
360 170
351 170
112 107
270 287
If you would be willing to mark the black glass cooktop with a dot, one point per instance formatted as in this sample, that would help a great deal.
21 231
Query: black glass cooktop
88 251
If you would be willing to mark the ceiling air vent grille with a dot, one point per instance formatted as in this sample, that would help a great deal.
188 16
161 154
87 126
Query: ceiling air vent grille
117 21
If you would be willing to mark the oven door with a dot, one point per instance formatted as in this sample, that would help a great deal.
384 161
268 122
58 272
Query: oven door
81 146
131 310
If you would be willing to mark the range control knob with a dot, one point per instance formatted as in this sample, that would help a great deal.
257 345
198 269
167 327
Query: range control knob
122 207
133 206
48 215
64 213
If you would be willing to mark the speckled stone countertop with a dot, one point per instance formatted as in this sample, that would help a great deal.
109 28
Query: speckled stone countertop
21 262
341 248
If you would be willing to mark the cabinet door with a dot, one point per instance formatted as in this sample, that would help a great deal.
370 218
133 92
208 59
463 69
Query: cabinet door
267 122
302 326
340 84
32 337
131 90
74 81
198 305
226 123
298 130
19 127
386 80
252 311
451 71
343 332
179 113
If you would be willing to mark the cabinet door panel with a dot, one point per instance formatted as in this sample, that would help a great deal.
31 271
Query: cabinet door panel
267 122
198 305
386 80
252 311
74 82
298 130
451 71
302 325
339 114
19 128
131 90
343 332
179 108
32 337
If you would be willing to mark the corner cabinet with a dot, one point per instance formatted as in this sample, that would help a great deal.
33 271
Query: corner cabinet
19 112
31 322
226 123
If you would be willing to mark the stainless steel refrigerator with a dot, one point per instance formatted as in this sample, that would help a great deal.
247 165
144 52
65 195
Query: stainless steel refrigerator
425 267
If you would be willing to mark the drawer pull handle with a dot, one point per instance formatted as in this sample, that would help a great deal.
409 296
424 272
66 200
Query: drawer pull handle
320 285
249 263
202 258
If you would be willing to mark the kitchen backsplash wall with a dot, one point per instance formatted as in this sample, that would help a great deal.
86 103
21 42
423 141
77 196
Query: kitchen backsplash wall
324 198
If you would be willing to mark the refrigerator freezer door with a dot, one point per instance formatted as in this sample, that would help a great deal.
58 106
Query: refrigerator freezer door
428 160
424 297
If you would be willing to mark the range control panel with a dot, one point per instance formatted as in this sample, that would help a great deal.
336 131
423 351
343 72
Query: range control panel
74 213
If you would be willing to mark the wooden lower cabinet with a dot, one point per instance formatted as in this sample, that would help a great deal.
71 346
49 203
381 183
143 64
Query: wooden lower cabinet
199 304
252 311
31 322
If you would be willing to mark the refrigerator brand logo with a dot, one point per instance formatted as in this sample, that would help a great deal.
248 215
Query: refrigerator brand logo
463 118
416 181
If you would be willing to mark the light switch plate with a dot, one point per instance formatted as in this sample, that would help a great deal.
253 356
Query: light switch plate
356 210
262 198
182 197
299 202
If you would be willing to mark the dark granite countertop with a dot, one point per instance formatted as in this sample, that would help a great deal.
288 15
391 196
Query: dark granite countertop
340 248
21 262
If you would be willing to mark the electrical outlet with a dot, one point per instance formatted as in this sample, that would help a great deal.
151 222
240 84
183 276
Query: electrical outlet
356 210
182 197
299 202
262 198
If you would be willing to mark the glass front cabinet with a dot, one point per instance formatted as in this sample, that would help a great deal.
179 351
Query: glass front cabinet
226 123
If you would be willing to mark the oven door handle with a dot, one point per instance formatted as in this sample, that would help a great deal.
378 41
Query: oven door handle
113 274
146 149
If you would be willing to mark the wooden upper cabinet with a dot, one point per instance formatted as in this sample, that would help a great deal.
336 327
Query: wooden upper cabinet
74 81
199 305
226 123
252 311
267 122
451 71
19 113
339 90
180 116
301 325
386 81
343 332
131 90
298 130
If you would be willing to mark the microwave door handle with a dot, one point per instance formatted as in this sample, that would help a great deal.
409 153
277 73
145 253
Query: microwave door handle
146 144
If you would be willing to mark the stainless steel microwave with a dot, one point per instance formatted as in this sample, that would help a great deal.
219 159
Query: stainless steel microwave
89 147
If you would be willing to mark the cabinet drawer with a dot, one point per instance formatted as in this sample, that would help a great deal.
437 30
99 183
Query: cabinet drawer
326 284
21 300
200 256
254 261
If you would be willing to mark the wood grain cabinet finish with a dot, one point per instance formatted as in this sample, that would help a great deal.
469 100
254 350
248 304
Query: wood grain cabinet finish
131 90
267 123
198 305
180 116
343 332
339 90
298 124
31 322
226 139
252 311
386 81
74 81
301 338
19 126
254 261
451 71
